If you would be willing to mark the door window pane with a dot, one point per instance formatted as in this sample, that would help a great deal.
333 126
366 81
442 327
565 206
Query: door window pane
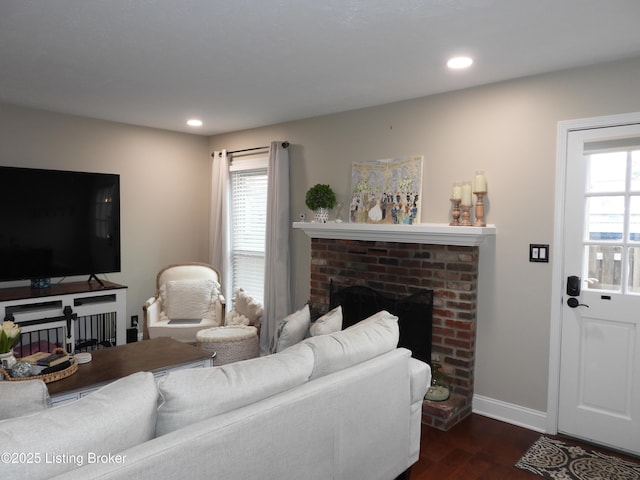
635 170
607 172
634 270
603 265
605 218
634 218
612 226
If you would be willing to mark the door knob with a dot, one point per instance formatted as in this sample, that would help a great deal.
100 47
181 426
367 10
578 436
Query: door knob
573 303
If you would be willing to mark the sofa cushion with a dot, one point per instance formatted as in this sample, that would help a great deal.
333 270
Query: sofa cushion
191 395
22 398
360 342
107 421
190 299
330 322
293 328
382 314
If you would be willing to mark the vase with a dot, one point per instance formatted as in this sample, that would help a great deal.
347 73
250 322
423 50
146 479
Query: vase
438 392
440 388
7 360
321 215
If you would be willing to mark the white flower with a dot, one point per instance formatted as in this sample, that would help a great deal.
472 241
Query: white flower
9 335
12 330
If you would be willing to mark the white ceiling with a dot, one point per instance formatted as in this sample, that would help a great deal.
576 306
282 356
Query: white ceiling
240 64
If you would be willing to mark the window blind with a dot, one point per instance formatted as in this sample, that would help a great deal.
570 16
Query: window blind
248 209
618 144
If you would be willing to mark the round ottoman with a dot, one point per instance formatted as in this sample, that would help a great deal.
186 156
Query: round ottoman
231 343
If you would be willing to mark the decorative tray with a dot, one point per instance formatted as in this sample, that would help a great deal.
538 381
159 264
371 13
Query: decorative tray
48 377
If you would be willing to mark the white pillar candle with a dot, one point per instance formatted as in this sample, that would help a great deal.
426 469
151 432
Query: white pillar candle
456 192
466 193
480 182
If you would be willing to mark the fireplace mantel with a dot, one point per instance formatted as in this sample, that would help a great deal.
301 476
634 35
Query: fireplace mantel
427 233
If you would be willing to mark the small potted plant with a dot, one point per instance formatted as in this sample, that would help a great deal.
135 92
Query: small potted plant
9 336
320 198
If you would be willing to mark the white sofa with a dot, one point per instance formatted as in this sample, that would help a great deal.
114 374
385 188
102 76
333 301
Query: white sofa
345 405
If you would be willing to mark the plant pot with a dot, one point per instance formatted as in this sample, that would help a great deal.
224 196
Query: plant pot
7 360
321 215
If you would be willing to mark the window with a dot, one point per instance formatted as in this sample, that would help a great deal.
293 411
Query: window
247 213
612 236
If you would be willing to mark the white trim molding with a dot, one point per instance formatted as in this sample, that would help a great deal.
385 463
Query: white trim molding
425 233
557 280
510 413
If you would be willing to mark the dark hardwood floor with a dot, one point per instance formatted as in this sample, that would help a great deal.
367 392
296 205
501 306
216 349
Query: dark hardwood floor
478 448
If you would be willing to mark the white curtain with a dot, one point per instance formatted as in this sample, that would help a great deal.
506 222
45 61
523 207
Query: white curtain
219 234
277 297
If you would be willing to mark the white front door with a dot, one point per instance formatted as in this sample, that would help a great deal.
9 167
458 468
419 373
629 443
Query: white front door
599 382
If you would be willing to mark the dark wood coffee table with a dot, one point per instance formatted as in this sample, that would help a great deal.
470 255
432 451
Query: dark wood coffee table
159 356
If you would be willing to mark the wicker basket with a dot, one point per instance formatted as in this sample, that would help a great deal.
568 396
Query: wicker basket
230 343
49 377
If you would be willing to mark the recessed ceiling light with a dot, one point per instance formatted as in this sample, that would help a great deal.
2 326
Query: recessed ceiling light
459 62
194 122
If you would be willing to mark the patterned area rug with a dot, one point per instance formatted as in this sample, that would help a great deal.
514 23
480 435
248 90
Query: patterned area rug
556 460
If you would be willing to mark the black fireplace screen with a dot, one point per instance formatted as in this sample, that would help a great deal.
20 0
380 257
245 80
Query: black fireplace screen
414 312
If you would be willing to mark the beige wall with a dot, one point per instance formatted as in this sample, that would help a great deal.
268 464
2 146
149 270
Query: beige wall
163 181
506 129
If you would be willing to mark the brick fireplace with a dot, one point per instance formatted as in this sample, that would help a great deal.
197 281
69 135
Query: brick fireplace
399 263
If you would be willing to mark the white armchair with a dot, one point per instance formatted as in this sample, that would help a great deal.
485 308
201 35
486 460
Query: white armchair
187 300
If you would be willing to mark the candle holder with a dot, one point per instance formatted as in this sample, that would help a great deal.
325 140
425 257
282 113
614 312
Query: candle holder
455 212
480 210
465 215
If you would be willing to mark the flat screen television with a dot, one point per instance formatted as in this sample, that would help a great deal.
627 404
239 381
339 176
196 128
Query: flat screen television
56 223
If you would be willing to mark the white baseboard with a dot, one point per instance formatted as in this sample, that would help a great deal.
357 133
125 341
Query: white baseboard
510 413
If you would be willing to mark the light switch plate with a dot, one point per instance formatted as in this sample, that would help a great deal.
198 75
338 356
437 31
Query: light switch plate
539 252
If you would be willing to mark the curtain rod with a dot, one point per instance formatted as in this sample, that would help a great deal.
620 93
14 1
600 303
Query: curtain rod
285 144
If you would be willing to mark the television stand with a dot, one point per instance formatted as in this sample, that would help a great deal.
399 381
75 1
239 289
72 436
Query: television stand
93 276
66 314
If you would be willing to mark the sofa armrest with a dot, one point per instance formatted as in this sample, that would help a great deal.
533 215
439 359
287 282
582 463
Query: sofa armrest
420 375
419 381
151 314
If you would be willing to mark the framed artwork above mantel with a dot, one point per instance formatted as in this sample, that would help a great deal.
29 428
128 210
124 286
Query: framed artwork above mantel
386 191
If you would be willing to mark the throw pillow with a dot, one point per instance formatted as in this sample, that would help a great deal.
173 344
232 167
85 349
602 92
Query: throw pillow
22 398
293 328
328 323
190 299
246 306
234 318
372 319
